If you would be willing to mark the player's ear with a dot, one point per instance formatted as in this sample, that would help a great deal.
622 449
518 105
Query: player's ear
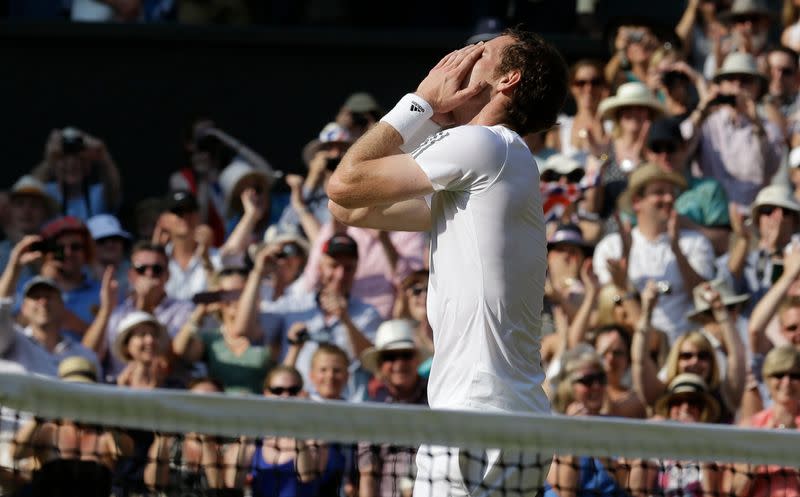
508 81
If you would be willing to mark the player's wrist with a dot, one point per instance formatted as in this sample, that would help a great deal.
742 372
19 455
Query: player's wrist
409 115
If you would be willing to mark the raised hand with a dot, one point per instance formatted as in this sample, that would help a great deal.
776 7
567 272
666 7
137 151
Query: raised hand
108 289
443 88
253 204
26 251
333 303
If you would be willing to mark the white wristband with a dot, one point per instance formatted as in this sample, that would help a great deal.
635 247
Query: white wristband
410 113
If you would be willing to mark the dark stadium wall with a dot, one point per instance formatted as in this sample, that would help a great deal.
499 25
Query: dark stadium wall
137 86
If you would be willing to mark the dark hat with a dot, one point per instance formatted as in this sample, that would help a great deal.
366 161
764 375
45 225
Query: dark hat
689 385
62 225
38 281
571 234
181 201
485 29
340 244
664 129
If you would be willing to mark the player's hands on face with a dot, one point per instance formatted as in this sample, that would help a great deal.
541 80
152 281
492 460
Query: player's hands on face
443 87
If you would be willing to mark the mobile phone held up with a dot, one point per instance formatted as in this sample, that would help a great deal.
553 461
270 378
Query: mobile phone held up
212 296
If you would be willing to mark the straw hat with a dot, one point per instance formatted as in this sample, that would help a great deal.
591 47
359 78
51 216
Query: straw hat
126 327
562 164
232 178
394 334
644 174
689 384
741 8
774 195
739 64
77 369
630 95
29 185
725 292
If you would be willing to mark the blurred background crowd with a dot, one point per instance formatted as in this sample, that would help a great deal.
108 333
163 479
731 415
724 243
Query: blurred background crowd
670 187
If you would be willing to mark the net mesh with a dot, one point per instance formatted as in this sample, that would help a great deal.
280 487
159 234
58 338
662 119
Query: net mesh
60 439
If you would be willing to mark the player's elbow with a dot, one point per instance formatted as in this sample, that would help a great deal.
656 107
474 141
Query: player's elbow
340 190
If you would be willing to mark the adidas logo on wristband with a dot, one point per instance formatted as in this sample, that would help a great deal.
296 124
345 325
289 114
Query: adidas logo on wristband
415 107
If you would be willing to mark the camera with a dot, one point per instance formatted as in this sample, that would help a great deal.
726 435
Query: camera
723 99
673 78
663 287
72 141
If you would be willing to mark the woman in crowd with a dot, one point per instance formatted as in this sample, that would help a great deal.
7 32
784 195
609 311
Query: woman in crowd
699 28
781 373
631 110
687 400
583 132
691 353
142 343
229 346
581 391
613 345
282 466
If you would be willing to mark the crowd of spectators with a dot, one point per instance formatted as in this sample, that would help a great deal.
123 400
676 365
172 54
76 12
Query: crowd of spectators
671 195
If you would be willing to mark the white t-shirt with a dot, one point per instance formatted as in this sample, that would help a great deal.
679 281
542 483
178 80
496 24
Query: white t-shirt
654 259
487 270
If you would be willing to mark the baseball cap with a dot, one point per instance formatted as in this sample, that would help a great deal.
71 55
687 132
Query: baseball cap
181 201
39 281
105 226
340 244
62 225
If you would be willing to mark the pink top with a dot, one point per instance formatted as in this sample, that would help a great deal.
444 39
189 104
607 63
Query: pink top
375 282
772 480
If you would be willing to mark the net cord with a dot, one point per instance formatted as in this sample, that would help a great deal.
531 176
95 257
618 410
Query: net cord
173 411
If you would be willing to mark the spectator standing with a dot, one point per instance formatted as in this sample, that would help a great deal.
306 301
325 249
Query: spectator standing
247 204
80 174
656 248
384 259
29 207
735 145
699 29
584 131
188 244
330 313
308 207
748 23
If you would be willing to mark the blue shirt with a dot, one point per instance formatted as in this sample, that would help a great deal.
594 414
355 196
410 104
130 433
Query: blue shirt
77 206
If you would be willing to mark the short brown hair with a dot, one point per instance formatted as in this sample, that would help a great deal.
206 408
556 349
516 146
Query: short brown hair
282 368
148 246
330 349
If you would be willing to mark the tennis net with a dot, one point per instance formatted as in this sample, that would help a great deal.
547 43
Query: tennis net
64 439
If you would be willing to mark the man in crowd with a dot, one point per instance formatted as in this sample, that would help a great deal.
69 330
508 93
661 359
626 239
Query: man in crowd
147 277
29 207
330 314
42 309
656 249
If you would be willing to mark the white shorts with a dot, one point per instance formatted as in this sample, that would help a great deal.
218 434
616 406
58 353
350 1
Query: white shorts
449 472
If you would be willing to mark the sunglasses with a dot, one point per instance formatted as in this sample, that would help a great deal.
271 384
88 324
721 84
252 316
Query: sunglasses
551 176
767 210
591 379
663 147
237 271
794 376
742 80
288 250
292 390
703 355
155 269
418 290
616 353
694 402
397 355
594 82
785 71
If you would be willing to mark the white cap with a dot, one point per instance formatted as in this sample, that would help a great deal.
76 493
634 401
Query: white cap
105 226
